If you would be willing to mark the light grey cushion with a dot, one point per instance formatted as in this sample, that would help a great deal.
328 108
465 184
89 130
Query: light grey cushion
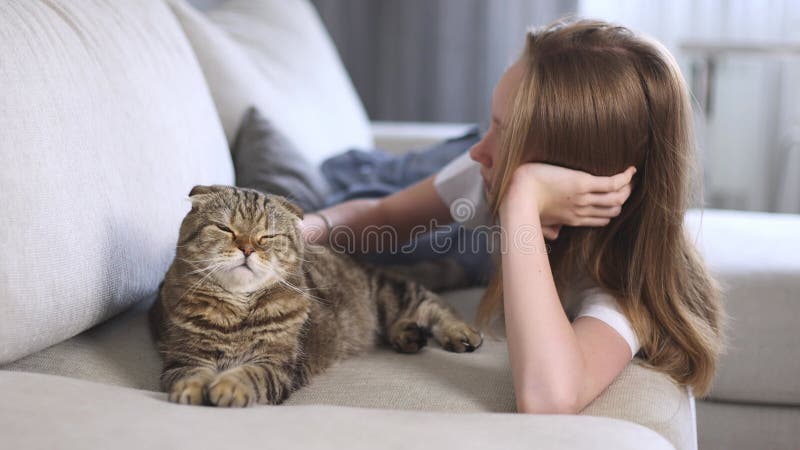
277 56
756 257
46 412
266 160
105 125
120 352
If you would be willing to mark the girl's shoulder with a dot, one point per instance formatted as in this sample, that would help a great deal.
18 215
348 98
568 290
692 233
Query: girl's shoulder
587 299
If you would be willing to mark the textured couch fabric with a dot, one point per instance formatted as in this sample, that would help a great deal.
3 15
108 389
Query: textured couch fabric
726 426
106 123
35 408
121 352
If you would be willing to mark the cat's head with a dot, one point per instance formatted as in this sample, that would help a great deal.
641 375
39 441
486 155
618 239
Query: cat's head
242 239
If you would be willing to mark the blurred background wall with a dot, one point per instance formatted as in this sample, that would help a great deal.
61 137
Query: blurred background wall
432 60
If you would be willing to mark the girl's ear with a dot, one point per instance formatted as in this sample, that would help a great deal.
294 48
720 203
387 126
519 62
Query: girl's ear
283 201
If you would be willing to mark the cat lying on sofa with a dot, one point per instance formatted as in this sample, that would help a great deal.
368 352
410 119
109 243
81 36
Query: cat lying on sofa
248 311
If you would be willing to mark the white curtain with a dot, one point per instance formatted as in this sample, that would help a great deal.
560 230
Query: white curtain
749 131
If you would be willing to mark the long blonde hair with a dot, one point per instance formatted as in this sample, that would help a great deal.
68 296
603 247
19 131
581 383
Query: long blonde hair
598 98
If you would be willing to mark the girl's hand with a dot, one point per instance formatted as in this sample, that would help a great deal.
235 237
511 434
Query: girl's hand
569 197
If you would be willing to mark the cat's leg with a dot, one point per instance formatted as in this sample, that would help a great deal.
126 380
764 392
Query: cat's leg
410 313
449 330
249 384
186 384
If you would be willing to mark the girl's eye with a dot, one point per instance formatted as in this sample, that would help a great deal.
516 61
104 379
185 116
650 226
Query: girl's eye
225 229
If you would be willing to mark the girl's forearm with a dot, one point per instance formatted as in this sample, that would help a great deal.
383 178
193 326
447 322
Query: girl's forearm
546 360
340 224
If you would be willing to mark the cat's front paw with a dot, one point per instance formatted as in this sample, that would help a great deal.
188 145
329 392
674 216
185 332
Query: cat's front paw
229 390
187 392
457 337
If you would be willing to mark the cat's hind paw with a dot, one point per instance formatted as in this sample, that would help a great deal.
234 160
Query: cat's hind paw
458 337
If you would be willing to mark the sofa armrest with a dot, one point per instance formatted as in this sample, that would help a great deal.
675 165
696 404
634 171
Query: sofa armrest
400 137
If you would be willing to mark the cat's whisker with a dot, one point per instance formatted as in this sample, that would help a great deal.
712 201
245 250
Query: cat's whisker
300 291
281 272
197 285
192 261
203 269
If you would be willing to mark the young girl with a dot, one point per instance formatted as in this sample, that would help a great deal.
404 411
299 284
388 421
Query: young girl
619 277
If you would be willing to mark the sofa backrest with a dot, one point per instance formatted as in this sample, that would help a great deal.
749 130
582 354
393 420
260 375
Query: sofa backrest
106 123
276 55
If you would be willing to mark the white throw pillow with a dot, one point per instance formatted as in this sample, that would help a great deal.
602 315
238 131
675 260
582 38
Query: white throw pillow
105 125
277 56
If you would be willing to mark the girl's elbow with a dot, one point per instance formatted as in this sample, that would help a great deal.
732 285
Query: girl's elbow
566 403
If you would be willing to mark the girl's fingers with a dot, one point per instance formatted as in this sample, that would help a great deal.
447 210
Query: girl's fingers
602 212
592 222
609 184
608 199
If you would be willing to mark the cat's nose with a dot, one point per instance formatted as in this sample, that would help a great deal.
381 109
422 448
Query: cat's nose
247 249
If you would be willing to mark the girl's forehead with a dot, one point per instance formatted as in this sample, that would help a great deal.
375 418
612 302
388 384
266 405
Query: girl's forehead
505 88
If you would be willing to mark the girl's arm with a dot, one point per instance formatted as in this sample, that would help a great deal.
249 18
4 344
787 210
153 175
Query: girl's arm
557 367
406 213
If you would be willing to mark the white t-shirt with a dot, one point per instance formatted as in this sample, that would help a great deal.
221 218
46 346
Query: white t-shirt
460 186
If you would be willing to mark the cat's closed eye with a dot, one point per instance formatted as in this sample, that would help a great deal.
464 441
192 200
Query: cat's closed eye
224 228
263 239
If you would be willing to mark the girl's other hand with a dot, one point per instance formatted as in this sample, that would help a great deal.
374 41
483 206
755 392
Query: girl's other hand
570 197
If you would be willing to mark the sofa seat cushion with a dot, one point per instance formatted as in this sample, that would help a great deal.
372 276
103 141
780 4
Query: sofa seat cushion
756 258
747 426
44 411
106 123
121 352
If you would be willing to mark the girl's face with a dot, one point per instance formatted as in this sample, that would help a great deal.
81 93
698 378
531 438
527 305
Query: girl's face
487 150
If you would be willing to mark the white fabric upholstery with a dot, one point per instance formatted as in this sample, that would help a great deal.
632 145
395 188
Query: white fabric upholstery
277 56
121 352
105 125
45 412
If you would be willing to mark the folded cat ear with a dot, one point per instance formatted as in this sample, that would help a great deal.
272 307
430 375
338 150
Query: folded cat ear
199 193
296 210
200 189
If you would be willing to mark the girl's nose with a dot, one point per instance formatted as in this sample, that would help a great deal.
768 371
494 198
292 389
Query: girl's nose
479 154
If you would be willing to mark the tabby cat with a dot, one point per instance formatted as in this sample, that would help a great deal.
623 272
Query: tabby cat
248 311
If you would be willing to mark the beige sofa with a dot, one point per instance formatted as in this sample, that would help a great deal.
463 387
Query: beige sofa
110 112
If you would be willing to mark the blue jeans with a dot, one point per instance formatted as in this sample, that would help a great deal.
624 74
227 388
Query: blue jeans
370 174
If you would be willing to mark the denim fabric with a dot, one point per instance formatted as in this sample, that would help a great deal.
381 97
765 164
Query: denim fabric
369 174
375 173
